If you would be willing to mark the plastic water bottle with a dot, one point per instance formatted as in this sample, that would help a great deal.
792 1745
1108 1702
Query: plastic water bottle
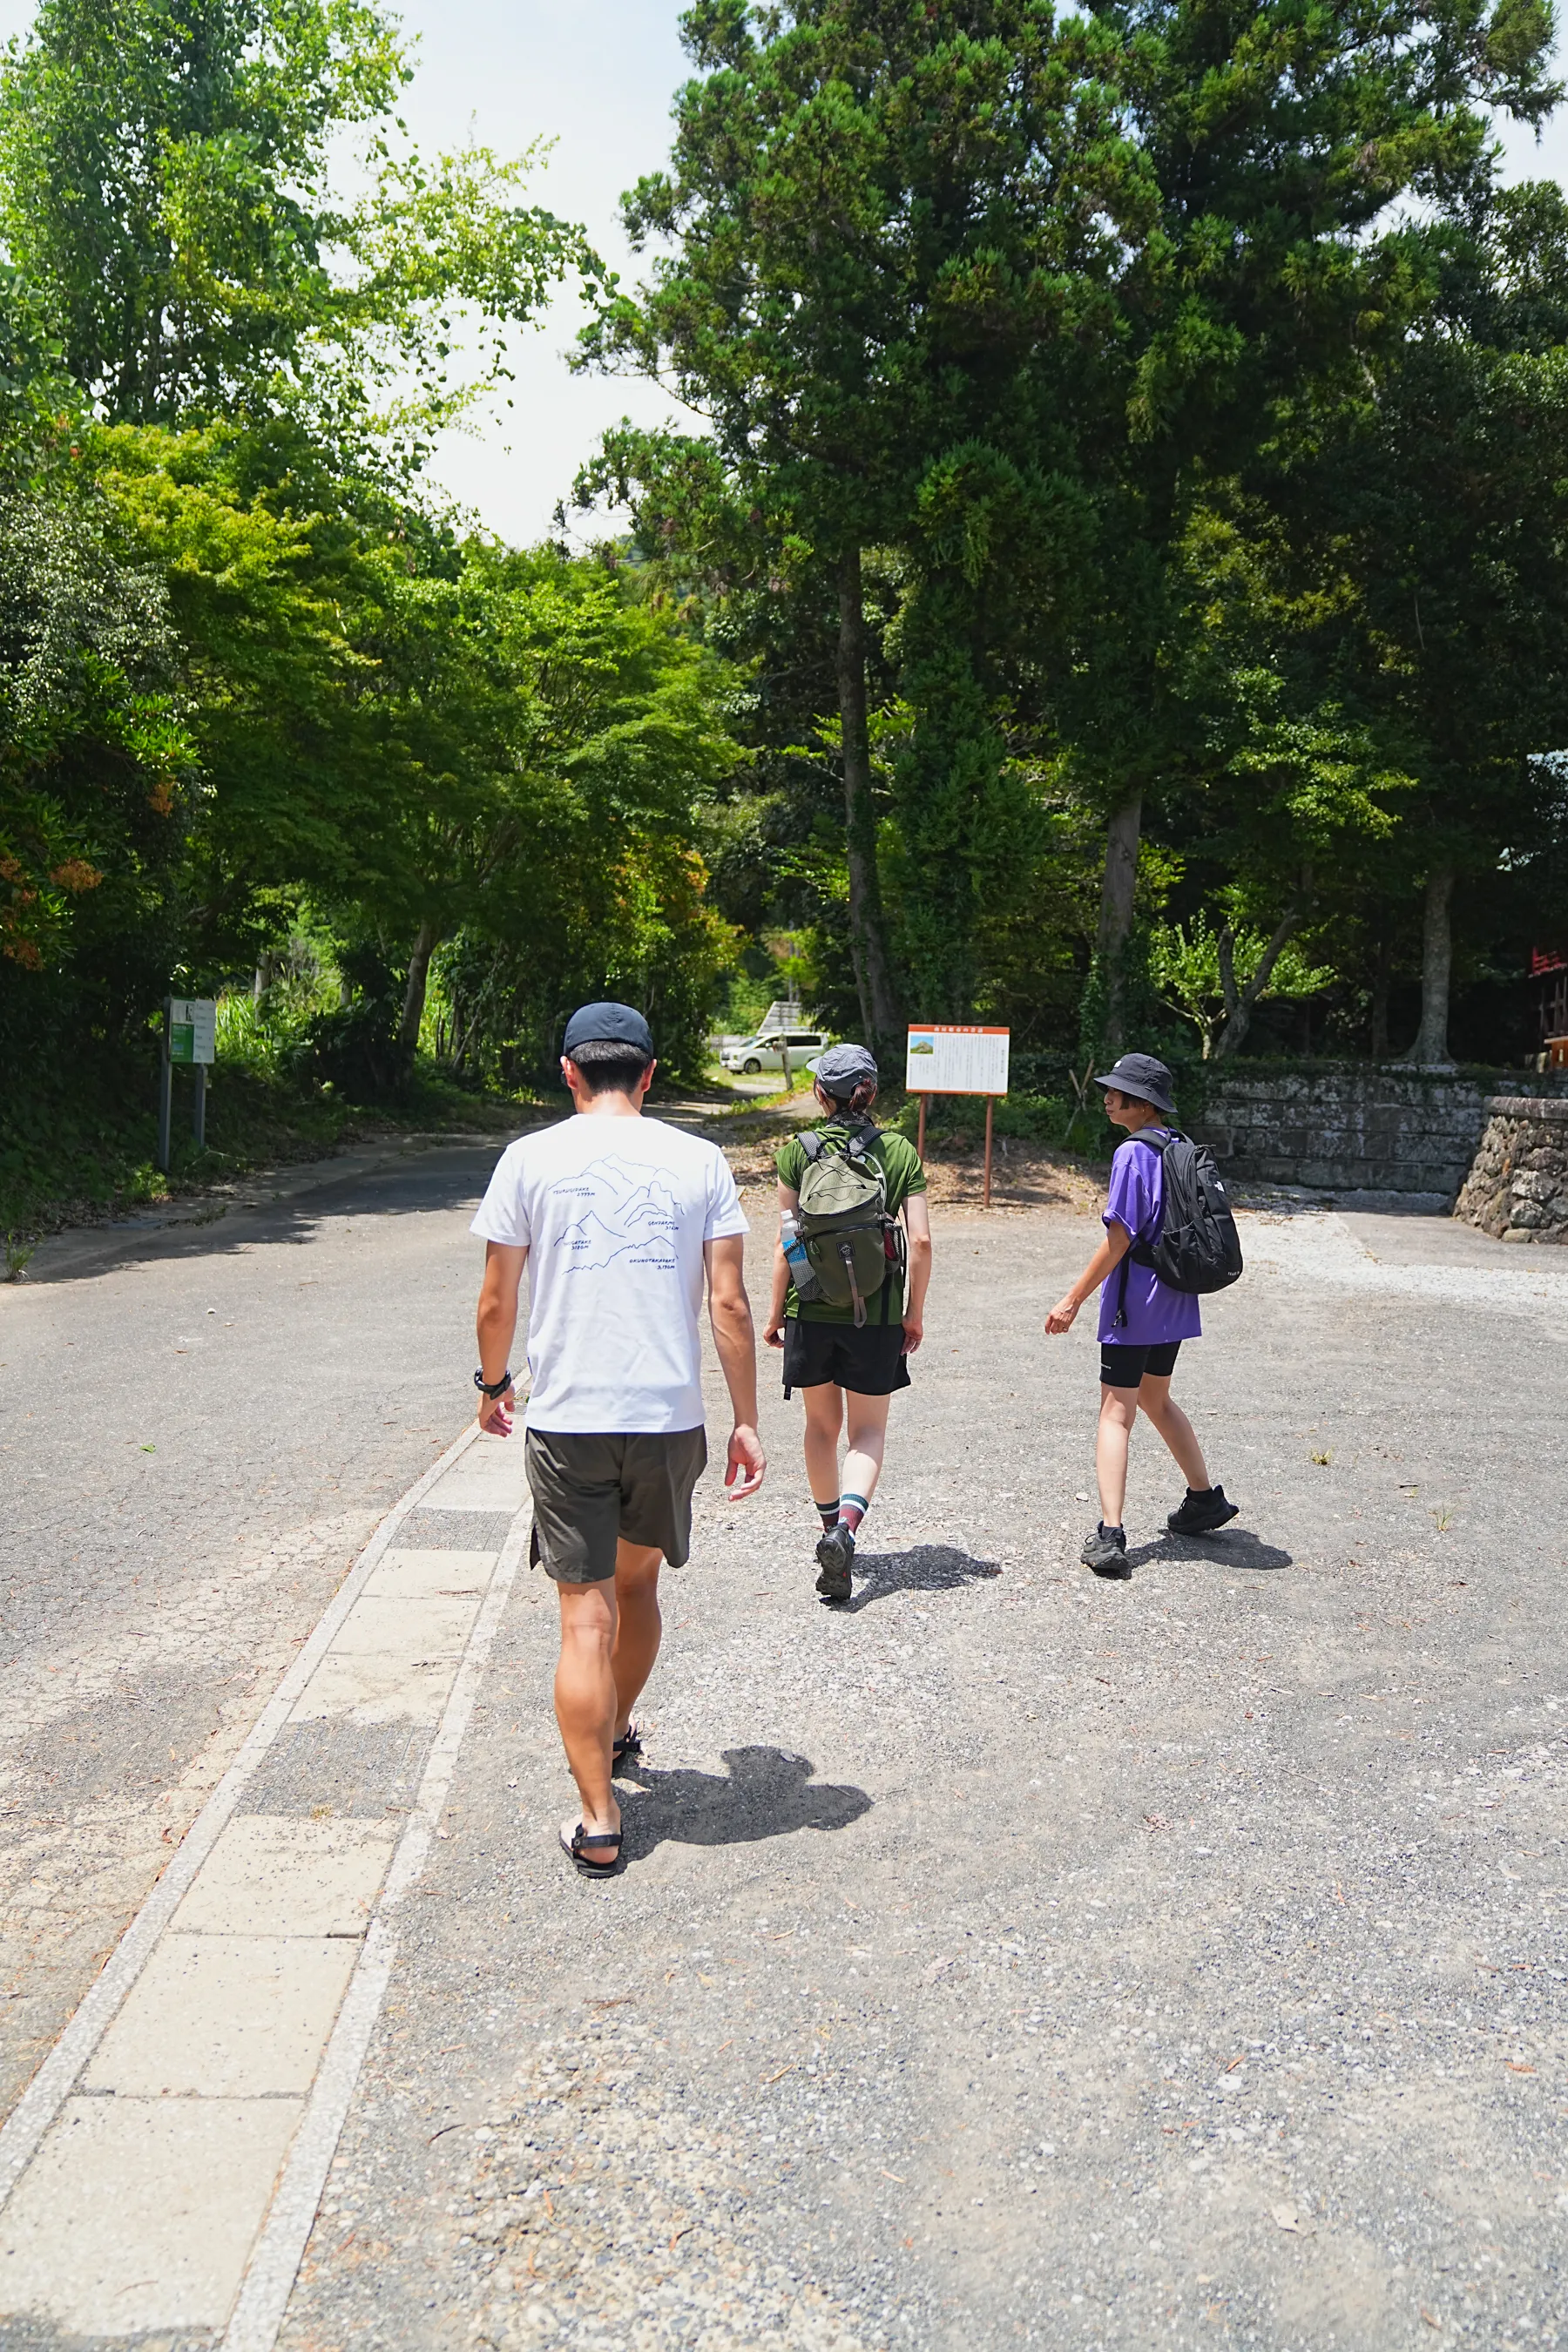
795 1253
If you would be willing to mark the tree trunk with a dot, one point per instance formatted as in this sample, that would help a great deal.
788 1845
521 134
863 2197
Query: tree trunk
1240 1021
868 938
1382 975
1431 1047
418 974
1116 898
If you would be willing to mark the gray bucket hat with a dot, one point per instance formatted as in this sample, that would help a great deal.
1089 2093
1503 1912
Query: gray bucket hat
1141 1075
843 1068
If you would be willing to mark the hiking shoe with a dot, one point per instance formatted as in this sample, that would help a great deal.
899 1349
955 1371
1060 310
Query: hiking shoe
835 1552
1106 1552
1201 1515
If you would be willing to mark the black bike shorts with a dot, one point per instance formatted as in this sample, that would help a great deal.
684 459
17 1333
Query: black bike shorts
589 1491
870 1361
1123 1368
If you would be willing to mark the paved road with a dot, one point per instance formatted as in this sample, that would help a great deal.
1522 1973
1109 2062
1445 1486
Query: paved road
1009 1958
200 1423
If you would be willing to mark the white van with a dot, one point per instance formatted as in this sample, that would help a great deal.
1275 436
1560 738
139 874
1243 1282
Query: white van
765 1051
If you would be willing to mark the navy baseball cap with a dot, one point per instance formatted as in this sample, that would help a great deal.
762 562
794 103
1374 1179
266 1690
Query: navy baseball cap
843 1068
1141 1075
617 1024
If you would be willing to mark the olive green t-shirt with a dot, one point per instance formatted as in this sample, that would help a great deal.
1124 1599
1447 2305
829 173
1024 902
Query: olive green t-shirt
900 1162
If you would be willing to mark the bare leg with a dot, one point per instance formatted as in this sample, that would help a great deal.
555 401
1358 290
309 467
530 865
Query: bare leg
1177 1431
585 1696
1117 1412
638 1624
823 1419
868 1435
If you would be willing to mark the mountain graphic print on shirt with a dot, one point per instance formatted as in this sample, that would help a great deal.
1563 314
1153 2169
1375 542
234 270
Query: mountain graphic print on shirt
614 1213
628 1211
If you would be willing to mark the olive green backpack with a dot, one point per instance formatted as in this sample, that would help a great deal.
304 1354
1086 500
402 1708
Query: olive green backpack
849 1235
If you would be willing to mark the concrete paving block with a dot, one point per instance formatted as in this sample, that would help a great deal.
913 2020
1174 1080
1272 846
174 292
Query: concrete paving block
140 2213
428 1626
375 1690
225 2017
410 1575
488 1477
271 1876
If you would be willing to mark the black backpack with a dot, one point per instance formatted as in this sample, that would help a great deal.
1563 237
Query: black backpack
1197 1248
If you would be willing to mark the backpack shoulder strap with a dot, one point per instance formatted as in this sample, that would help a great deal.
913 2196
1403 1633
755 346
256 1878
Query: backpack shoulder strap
811 1144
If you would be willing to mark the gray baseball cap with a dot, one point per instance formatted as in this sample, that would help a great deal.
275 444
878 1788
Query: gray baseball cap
843 1068
1141 1075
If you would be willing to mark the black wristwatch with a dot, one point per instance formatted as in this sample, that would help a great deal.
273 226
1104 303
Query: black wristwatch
493 1388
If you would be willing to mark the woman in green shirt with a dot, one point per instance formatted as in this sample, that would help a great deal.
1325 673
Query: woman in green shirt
847 1374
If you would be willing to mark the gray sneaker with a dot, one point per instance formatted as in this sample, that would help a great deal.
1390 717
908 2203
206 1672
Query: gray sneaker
835 1552
1106 1552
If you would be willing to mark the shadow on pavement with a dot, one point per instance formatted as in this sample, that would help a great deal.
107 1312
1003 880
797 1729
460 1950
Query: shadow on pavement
928 1568
421 1178
767 1793
1227 1549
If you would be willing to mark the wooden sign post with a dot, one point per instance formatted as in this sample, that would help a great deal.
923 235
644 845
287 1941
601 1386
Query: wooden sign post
944 1059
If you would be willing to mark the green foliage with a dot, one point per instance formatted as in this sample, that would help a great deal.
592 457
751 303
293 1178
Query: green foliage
1198 971
165 183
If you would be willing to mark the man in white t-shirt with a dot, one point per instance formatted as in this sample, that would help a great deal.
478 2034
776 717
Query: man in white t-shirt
618 1219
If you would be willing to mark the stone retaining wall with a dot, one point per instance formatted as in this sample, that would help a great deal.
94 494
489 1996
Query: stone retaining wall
1518 1188
1353 1129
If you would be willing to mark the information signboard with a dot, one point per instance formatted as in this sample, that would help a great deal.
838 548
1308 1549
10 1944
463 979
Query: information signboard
193 1029
943 1059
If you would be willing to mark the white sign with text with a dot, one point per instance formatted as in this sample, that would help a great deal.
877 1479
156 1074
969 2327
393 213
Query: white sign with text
944 1059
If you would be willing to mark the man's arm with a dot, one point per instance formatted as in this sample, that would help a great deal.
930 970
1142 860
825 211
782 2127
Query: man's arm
917 1225
1107 1257
730 1311
496 1324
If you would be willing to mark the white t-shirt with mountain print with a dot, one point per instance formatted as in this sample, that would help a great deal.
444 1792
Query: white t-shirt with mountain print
614 1213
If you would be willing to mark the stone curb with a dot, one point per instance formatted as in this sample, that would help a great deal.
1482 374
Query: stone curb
209 2017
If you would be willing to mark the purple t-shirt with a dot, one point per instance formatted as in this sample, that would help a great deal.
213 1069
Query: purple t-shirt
1154 1311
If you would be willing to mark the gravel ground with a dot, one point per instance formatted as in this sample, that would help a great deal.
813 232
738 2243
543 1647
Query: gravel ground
1013 1958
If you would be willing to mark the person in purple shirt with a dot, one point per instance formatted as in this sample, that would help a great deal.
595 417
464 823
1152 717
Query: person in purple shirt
1142 1327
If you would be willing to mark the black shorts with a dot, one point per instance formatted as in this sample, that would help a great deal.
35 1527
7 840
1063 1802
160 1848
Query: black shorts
589 1491
1123 1368
870 1361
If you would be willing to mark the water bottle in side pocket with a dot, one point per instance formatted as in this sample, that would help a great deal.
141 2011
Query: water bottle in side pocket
801 1271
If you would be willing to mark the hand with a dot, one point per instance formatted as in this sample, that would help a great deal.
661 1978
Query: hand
914 1333
773 1335
495 1413
745 1464
1063 1314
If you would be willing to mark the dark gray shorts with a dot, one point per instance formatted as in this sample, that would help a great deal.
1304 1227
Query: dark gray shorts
590 1491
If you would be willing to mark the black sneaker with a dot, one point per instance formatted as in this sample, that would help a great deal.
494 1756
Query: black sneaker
835 1552
1203 1514
1106 1552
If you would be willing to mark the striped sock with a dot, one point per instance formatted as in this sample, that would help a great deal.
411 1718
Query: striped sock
852 1509
829 1513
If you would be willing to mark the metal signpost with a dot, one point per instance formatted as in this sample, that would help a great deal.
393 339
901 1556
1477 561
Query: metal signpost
943 1059
190 1037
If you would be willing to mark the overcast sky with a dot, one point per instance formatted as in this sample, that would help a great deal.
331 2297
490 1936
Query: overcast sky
597 76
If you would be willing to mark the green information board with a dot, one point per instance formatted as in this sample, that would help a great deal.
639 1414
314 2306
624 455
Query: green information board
193 1029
